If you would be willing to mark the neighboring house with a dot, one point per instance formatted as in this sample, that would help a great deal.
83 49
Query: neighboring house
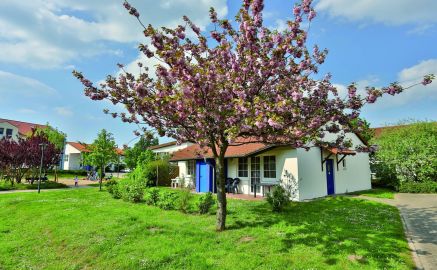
309 174
168 148
73 156
16 129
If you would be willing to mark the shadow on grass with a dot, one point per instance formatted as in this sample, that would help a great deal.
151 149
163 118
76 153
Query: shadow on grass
334 226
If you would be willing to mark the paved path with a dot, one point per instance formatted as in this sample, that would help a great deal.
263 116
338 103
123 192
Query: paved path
43 190
419 215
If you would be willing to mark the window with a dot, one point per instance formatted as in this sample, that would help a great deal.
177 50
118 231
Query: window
8 133
66 158
191 167
344 164
243 167
269 167
2 130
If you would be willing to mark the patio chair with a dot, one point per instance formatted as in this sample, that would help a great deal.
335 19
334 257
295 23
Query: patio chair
175 182
228 184
234 186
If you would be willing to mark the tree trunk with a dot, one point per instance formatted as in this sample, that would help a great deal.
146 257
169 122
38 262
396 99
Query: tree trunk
101 179
221 192
56 174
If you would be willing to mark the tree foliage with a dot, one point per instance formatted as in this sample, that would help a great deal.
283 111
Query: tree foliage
238 83
102 152
407 153
133 154
55 136
17 158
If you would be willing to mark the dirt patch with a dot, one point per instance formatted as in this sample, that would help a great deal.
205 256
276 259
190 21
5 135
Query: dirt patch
356 258
155 229
246 239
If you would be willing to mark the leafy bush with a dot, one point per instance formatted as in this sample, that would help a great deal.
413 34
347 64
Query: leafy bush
167 200
184 200
132 191
278 198
142 174
152 196
418 187
206 201
116 192
406 153
110 185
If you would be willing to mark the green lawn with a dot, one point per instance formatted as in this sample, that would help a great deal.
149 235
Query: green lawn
22 186
87 229
383 193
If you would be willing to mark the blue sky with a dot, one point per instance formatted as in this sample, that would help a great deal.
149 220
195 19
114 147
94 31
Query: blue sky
371 42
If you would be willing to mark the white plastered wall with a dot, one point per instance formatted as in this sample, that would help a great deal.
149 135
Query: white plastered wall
74 158
5 126
286 169
312 180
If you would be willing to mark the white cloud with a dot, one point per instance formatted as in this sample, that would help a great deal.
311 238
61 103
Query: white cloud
13 86
391 12
63 111
27 111
52 33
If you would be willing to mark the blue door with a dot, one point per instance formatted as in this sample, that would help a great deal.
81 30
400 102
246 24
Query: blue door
330 176
203 176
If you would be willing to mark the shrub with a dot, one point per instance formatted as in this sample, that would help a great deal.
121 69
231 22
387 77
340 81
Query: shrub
132 191
184 200
110 185
278 198
418 187
206 201
116 192
152 196
167 200
406 153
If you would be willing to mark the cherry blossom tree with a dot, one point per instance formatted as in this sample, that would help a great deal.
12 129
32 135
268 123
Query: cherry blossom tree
238 83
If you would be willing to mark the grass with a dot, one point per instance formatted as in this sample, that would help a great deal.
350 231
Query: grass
22 186
87 229
383 193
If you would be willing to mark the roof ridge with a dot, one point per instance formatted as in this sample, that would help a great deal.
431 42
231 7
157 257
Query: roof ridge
4 119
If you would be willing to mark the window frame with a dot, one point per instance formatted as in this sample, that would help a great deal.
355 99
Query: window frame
243 167
11 131
269 167
191 167
66 157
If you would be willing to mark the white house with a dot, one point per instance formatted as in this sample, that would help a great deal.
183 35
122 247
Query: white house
16 129
309 174
168 148
72 159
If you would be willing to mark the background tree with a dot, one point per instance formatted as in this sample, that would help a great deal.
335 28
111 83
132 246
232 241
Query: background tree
406 153
133 154
363 127
239 83
57 138
17 158
101 153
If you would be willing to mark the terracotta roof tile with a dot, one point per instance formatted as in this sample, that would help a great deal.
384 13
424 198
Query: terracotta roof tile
82 147
162 145
24 128
244 149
